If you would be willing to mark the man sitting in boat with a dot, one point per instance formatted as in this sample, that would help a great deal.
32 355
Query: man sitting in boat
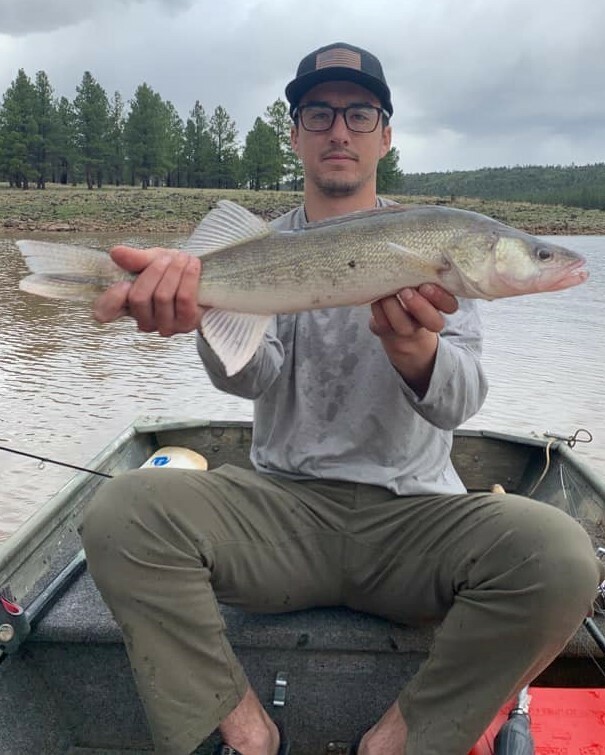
353 499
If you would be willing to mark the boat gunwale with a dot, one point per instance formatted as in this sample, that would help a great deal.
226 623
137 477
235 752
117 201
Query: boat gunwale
52 515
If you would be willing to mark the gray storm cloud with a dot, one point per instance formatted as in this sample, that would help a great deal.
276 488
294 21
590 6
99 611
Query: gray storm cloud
20 17
485 82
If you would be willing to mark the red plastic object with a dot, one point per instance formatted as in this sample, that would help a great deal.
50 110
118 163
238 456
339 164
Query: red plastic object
11 607
564 721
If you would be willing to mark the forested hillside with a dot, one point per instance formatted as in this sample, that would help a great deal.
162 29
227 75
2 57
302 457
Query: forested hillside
575 186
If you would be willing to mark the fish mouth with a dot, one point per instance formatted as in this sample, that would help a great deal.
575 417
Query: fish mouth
571 275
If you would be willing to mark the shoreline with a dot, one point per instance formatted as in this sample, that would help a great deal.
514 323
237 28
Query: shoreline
61 209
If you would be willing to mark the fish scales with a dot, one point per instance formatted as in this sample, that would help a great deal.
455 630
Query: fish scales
327 264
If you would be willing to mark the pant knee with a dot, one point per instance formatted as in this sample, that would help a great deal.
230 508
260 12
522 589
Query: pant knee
562 571
568 558
122 511
537 555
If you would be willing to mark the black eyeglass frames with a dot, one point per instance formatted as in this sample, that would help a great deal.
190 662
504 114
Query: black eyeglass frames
360 118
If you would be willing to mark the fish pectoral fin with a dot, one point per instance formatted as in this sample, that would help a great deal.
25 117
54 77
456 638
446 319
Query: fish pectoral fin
416 263
226 225
455 280
233 336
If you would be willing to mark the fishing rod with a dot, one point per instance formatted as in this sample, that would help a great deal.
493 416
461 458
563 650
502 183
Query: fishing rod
46 460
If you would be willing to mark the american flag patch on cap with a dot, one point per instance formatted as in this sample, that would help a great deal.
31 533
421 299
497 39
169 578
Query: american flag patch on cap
338 56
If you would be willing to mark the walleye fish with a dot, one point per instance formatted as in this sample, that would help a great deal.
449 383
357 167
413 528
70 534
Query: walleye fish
252 272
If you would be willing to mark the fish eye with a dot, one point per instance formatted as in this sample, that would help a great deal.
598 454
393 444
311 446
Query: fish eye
543 254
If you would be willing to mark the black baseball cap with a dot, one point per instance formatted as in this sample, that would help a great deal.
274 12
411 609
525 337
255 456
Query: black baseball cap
339 62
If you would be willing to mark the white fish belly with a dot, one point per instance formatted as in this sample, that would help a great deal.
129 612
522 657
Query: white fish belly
267 299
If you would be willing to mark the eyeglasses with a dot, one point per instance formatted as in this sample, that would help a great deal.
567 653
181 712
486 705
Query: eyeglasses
360 118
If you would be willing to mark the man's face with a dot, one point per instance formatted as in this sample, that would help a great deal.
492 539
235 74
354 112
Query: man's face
339 162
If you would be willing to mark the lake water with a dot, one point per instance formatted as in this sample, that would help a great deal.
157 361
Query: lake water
69 385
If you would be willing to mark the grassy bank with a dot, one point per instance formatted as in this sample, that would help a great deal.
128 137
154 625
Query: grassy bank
60 208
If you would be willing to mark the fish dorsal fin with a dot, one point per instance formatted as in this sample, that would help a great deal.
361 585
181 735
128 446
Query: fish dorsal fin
233 336
226 225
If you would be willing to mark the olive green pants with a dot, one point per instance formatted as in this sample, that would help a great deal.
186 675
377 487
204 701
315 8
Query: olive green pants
511 580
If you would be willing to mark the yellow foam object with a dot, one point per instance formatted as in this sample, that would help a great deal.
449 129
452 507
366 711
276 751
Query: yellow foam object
175 457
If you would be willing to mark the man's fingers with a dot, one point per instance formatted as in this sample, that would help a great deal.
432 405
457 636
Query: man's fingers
187 311
379 324
162 297
439 298
113 303
136 260
411 310
140 299
390 318
165 293
422 310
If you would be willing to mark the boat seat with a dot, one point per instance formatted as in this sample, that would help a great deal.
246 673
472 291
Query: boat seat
342 669
82 616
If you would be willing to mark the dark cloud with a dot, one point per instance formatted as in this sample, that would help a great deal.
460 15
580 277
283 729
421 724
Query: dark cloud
484 82
21 17
493 67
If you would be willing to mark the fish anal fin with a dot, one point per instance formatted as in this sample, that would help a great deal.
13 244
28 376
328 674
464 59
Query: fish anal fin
233 336
227 224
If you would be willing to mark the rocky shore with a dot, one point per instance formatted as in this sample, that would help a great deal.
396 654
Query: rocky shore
126 209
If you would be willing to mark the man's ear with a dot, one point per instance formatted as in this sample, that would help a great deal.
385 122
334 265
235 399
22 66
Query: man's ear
294 138
385 144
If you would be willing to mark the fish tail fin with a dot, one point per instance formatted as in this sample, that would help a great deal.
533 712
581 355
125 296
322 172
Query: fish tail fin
63 271
227 224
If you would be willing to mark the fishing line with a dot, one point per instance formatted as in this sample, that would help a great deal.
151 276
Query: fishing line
46 460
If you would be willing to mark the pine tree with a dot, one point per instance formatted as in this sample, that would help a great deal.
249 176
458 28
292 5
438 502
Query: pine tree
146 135
19 132
93 126
278 117
223 135
115 151
198 149
175 169
262 158
389 177
67 163
45 113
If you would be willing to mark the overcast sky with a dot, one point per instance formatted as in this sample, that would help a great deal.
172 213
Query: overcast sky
475 82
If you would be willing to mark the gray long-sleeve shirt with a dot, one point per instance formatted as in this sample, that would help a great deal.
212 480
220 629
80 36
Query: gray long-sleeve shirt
329 404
